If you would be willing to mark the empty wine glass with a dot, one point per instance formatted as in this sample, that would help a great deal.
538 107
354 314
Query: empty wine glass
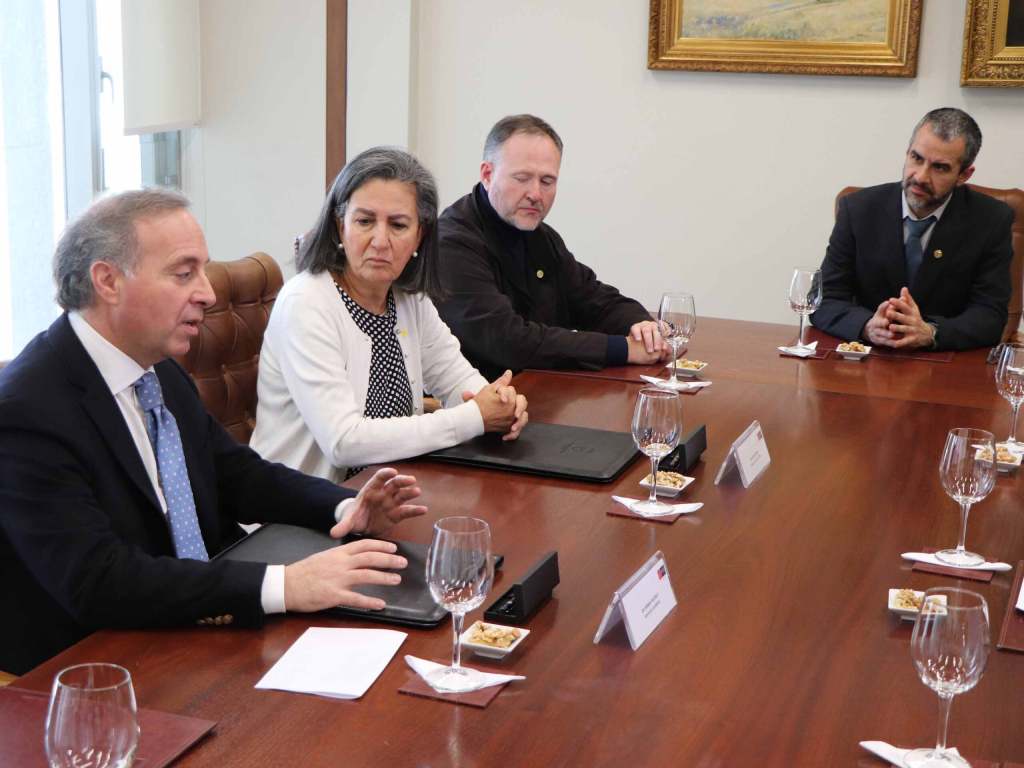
968 472
804 295
459 572
92 721
950 646
677 320
1010 383
657 422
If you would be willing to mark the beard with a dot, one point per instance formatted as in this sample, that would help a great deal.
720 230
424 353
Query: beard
927 202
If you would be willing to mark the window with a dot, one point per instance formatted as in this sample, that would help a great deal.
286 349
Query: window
62 144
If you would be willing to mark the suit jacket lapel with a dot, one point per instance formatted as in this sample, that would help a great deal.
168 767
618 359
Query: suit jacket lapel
945 240
894 258
100 405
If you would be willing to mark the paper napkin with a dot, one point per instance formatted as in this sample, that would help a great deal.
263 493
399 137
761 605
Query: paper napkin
928 557
895 755
807 350
672 509
422 667
679 386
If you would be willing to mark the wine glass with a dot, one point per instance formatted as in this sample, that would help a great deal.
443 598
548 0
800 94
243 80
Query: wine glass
92 721
459 572
657 422
1010 383
968 472
677 320
950 646
804 295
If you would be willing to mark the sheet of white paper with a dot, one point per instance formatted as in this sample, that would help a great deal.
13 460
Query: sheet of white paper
334 662
1020 600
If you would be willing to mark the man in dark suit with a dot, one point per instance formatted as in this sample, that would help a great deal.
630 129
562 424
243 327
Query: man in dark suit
924 263
116 485
517 298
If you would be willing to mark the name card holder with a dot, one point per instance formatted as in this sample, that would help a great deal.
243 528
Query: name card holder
749 454
641 603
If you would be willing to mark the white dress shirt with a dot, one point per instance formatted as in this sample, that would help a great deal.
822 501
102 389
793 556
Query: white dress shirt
926 236
120 372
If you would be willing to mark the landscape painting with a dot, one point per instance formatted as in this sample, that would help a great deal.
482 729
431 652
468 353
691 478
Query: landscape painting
819 37
810 20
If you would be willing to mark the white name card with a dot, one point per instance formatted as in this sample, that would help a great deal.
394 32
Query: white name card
749 453
641 603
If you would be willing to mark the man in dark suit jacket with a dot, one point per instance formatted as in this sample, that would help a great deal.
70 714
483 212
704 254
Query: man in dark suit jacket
516 296
86 538
954 291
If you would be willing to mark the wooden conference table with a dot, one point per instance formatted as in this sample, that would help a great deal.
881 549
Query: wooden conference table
781 651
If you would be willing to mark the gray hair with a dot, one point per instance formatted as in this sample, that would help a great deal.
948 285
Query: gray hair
105 232
949 124
507 127
320 249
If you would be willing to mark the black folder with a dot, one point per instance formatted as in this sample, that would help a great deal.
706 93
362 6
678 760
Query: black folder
552 450
408 603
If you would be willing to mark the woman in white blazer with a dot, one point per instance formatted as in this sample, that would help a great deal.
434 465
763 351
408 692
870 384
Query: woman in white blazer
354 340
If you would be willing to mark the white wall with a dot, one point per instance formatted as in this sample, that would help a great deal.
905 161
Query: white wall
255 168
710 182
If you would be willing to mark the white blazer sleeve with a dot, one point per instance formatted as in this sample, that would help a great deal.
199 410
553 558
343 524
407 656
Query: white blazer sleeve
316 366
446 373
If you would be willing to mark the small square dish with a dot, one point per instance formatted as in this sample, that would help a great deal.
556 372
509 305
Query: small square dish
1007 459
853 350
687 367
669 483
906 603
486 639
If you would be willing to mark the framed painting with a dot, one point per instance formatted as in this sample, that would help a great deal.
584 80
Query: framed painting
809 37
993 43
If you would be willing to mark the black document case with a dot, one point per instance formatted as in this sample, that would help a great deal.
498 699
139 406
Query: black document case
553 450
408 603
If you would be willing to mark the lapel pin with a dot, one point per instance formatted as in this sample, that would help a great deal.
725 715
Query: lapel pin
540 274
937 254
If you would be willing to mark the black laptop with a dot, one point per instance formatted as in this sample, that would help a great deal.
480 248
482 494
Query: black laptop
553 450
408 603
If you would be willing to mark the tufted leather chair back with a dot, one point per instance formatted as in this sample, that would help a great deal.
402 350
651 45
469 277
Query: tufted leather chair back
224 359
1015 199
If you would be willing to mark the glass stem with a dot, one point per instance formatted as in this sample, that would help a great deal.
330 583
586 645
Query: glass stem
800 334
456 645
675 351
1013 426
965 509
653 497
945 702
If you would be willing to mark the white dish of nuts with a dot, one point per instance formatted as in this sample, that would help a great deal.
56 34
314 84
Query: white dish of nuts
687 367
906 603
495 641
669 483
853 350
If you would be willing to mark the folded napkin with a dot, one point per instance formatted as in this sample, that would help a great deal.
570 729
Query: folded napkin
895 755
800 350
422 667
672 509
679 386
928 557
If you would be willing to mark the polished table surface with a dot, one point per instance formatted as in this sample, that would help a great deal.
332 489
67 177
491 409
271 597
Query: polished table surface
780 653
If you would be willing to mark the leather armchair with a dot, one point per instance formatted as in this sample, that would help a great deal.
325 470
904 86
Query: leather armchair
1015 199
224 359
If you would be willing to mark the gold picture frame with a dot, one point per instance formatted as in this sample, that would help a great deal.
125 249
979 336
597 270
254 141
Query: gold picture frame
993 44
890 52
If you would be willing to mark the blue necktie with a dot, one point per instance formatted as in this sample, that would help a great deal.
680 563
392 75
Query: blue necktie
912 248
170 461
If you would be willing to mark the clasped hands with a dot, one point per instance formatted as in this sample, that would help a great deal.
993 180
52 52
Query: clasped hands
898 323
502 408
646 344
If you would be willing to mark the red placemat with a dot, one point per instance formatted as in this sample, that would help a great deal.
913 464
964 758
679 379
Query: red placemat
415 686
957 573
1011 636
163 736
